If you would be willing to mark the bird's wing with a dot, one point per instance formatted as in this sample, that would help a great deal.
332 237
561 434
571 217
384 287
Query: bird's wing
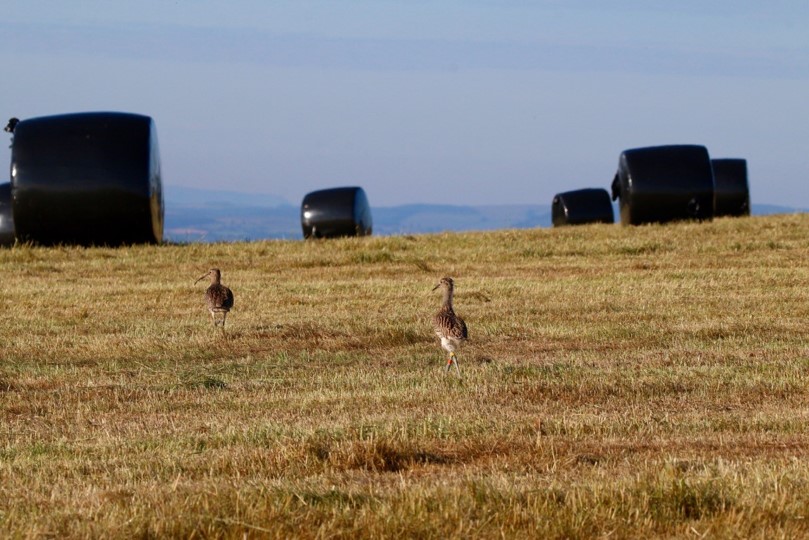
449 325
228 303
219 297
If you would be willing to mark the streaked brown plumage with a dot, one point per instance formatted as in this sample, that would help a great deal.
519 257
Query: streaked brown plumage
218 298
450 328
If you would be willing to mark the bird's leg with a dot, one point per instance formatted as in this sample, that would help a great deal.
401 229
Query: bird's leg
454 360
449 363
213 318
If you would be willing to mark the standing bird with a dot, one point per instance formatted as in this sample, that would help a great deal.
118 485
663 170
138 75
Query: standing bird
449 327
218 298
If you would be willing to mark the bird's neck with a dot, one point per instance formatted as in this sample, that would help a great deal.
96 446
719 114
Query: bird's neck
447 304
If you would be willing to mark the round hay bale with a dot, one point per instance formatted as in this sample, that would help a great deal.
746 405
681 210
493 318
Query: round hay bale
6 216
87 178
731 187
591 205
664 183
335 212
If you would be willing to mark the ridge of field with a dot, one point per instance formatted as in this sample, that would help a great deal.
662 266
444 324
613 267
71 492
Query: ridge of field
619 381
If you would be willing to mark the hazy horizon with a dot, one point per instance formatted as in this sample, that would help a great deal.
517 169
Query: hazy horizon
199 215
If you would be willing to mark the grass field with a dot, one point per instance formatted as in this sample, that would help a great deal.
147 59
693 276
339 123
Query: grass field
619 382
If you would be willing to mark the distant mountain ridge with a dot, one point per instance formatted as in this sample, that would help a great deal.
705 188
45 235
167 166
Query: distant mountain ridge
200 215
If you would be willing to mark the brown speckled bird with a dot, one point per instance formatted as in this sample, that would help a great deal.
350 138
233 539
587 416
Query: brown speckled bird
450 328
218 298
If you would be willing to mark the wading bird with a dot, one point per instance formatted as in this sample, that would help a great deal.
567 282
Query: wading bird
450 328
218 298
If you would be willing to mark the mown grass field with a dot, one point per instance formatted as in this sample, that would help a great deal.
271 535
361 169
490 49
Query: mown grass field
619 382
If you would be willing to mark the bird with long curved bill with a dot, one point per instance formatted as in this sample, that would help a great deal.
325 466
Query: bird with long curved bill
450 328
218 298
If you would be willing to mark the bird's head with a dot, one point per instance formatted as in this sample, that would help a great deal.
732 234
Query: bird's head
213 272
445 283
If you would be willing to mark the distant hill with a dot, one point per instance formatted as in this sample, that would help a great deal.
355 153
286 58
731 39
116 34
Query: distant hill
199 215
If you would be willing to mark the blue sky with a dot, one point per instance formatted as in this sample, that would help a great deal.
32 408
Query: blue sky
474 102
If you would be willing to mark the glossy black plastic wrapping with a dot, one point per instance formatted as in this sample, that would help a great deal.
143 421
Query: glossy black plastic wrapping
6 216
664 183
336 212
582 206
87 178
732 189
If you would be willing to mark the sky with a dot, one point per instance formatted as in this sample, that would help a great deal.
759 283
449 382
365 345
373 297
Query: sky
471 102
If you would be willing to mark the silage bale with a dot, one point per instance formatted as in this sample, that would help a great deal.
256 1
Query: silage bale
6 216
591 205
87 178
731 186
330 213
664 183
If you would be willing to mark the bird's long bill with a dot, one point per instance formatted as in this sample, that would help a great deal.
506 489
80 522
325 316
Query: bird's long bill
206 274
434 288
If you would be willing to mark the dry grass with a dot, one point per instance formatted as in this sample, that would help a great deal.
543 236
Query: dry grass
622 382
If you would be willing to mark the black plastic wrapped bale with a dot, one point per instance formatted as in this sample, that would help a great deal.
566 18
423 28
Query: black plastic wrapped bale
732 189
335 212
6 216
582 206
87 178
664 183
